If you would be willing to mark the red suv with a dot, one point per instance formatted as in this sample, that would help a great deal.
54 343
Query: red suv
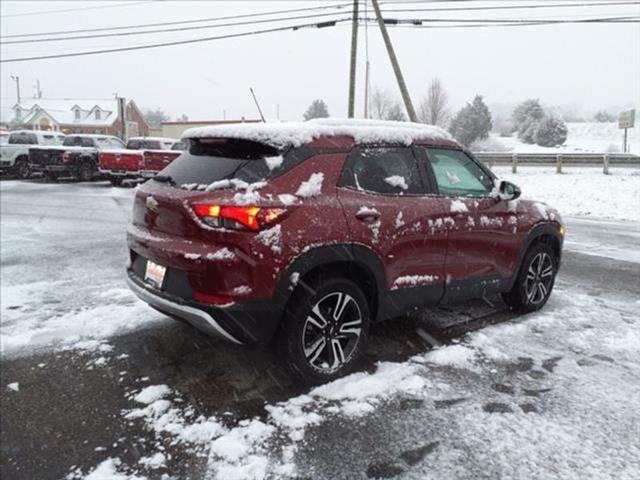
308 232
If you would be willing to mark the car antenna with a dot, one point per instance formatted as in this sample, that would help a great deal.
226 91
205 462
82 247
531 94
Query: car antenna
257 105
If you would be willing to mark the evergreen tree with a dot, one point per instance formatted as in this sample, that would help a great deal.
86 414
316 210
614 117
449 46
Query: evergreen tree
472 122
526 118
551 132
317 109
603 116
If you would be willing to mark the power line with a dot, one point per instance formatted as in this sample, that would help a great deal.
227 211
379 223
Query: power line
181 22
421 21
508 7
95 7
179 42
170 30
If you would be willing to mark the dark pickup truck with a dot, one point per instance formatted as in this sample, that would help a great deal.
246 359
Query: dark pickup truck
77 156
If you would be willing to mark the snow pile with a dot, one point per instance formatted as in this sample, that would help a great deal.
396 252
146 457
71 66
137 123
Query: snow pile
221 254
458 356
458 206
271 238
274 162
22 332
411 281
108 470
152 393
581 191
312 187
295 134
399 220
397 181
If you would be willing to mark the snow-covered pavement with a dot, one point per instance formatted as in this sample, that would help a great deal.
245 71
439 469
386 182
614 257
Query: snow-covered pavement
96 385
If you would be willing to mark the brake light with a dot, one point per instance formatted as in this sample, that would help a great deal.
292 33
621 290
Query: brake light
66 157
252 218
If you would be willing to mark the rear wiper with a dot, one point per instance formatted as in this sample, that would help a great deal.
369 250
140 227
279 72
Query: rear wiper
165 179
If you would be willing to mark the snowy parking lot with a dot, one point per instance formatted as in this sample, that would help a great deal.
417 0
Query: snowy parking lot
97 385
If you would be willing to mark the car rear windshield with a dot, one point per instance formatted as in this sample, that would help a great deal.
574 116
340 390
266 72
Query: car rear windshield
141 144
210 160
78 142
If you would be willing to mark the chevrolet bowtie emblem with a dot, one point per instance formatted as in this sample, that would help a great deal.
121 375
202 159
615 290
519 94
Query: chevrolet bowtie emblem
152 203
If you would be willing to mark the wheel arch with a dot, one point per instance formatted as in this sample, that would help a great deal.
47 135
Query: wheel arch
542 233
352 261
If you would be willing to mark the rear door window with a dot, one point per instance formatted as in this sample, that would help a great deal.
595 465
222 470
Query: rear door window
23 138
388 171
207 161
88 141
457 174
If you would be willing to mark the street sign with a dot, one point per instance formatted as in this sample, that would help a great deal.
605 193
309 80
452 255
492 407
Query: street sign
627 119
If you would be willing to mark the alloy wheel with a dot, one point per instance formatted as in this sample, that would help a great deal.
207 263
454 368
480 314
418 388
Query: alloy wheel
331 332
539 279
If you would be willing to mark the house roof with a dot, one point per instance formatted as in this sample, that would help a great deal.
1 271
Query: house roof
62 111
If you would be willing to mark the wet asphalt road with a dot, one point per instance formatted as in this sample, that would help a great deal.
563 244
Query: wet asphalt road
72 416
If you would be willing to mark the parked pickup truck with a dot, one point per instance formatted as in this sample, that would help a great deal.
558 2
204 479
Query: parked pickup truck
142 158
76 157
14 153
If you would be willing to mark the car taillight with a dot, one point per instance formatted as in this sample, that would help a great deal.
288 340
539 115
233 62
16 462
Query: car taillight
66 157
252 218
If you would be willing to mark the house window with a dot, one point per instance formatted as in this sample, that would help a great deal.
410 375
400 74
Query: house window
77 113
98 114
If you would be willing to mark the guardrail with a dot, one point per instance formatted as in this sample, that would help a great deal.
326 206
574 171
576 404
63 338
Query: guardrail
605 160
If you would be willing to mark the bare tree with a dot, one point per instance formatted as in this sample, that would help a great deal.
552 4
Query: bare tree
385 107
434 108
380 104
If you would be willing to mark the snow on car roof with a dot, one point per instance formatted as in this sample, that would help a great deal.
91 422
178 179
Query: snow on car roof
299 133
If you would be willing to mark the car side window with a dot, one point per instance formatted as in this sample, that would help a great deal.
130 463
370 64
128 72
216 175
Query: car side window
389 171
86 142
457 174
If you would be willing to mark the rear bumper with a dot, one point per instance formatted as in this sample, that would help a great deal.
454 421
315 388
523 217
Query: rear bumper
198 318
128 173
243 322
120 173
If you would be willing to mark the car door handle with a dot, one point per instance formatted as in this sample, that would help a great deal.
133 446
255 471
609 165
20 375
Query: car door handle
368 216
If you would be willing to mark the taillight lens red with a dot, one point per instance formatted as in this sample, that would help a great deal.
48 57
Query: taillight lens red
249 217
66 157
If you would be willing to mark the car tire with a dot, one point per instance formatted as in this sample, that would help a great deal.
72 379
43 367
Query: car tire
85 171
22 169
50 176
325 329
535 280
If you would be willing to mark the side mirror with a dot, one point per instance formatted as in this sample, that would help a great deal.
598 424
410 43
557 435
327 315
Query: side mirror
509 191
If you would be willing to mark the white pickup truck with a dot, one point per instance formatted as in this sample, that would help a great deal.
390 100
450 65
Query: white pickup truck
14 155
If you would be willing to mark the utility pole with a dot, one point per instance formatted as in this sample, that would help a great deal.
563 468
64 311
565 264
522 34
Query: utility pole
394 63
17 80
123 119
354 55
367 64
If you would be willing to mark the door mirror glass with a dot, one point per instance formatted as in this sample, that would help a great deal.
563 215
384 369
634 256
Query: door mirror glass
509 191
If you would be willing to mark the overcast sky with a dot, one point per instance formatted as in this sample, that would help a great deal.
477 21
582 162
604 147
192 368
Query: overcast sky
589 65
